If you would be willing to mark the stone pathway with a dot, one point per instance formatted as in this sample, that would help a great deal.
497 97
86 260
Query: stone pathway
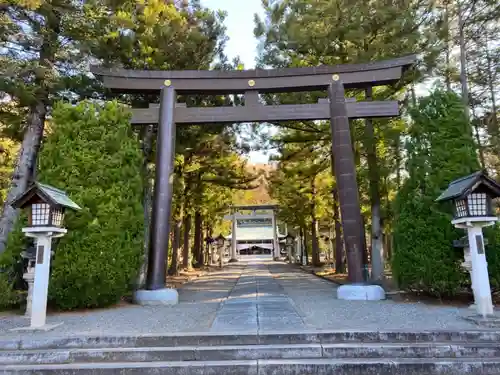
253 295
257 302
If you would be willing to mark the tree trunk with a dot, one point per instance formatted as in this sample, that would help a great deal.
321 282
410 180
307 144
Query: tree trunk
493 126
397 158
377 246
208 234
26 162
186 253
314 226
314 242
198 233
147 149
364 246
463 60
176 243
447 77
480 148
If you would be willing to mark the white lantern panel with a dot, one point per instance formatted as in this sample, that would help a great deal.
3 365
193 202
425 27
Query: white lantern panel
40 213
461 206
477 204
57 217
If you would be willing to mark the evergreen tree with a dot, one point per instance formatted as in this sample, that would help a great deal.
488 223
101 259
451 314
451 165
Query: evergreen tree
440 149
93 155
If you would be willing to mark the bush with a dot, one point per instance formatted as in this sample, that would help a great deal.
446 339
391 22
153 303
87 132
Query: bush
92 154
440 149
492 234
8 296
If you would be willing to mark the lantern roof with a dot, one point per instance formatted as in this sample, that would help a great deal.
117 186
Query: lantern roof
466 185
47 193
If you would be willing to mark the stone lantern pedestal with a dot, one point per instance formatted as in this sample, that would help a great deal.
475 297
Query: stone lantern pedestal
29 277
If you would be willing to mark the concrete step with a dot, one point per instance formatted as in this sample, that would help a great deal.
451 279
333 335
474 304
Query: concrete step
180 353
269 338
358 366
246 352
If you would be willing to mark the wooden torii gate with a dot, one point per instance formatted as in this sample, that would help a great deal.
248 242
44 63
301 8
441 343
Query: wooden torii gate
251 83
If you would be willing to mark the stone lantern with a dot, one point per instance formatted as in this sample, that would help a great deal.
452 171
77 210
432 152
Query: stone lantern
472 197
289 241
220 241
46 206
210 249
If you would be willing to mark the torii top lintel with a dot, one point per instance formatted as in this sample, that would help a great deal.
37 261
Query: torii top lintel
262 80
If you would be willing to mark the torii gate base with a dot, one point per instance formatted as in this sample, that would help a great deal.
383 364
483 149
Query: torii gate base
251 83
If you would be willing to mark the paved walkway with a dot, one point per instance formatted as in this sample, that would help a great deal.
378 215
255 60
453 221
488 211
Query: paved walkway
257 302
256 294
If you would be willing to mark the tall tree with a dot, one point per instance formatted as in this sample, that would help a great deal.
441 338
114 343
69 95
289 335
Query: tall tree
38 52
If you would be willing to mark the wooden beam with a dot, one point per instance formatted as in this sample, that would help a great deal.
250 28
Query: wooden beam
240 85
277 113
263 80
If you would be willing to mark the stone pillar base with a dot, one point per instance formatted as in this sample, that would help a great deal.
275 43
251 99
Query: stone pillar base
361 292
489 321
233 260
44 328
157 297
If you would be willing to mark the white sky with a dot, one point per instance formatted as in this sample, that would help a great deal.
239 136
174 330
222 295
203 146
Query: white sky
239 23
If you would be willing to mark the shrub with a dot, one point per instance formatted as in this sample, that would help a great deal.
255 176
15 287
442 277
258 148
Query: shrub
8 295
92 154
440 149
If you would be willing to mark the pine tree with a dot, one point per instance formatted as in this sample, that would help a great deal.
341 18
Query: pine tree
39 57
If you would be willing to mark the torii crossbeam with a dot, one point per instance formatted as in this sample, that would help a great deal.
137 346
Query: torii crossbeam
251 83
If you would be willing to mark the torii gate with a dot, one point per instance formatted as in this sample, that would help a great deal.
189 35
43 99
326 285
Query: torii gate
251 83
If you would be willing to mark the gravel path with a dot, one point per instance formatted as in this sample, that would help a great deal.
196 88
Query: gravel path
315 299
265 295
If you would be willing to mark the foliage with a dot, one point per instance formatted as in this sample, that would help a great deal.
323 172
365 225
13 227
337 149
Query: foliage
9 297
440 149
8 152
93 155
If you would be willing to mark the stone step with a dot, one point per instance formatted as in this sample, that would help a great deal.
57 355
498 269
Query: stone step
388 366
238 338
245 352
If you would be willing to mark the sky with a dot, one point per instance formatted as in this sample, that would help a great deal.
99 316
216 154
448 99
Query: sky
242 43
240 25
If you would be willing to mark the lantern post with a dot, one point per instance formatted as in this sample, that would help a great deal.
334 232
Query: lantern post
289 240
221 241
472 198
46 206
